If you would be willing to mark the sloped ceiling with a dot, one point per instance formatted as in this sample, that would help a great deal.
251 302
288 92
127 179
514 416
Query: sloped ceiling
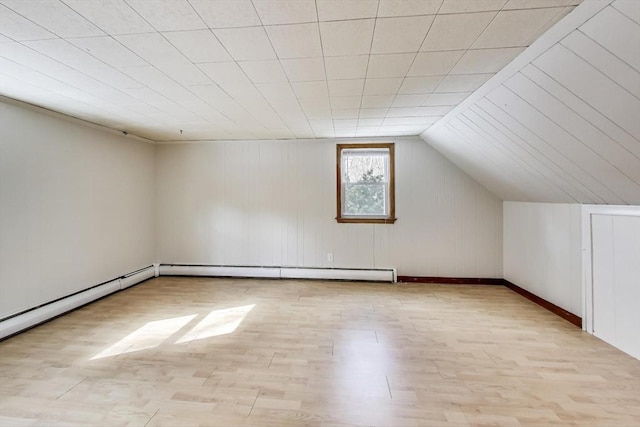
561 123
261 69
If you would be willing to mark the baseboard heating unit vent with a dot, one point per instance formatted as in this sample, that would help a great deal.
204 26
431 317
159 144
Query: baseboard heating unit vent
374 275
35 316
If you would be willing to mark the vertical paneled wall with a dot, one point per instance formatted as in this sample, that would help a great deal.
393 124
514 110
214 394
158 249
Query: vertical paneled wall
273 203
543 253
76 207
615 263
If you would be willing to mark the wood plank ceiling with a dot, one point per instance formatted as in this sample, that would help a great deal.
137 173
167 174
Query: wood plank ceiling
565 126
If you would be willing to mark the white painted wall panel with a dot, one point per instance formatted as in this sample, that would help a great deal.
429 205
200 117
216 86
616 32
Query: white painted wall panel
272 203
76 207
561 122
616 280
542 251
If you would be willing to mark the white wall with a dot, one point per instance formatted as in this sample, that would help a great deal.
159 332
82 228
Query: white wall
611 247
560 123
543 253
273 203
76 206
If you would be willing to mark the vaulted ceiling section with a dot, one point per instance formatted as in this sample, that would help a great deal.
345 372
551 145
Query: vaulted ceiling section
561 123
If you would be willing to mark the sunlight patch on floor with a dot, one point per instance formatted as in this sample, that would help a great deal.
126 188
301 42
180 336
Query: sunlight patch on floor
152 334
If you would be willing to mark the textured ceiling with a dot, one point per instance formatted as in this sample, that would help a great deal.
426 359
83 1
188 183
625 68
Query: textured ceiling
563 126
261 69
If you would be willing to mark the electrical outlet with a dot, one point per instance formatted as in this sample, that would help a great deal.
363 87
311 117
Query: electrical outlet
330 257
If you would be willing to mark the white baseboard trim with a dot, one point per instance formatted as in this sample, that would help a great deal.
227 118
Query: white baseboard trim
33 317
372 275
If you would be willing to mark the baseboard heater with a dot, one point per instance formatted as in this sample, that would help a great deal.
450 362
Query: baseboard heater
369 275
27 319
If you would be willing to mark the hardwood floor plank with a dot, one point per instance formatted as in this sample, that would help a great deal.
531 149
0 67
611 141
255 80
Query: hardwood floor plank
240 352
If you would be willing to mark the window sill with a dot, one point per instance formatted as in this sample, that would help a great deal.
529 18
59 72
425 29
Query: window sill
343 220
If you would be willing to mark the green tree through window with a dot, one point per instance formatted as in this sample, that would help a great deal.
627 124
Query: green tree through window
365 197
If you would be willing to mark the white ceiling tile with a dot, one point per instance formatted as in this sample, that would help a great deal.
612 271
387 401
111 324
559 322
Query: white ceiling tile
19 28
529 4
415 85
434 63
174 15
345 113
153 48
225 74
418 111
389 8
274 12
346 67
515 28
344 102
226 13
346 87
400 130
459 31
280 95
315 113
219 99
310 89
485 60
64 52
295 41
338 10
377 101
631 8
4 39
321 123
264 71
108 50
112 16
198 46
30 58
112 77
466 6
370 122
389 65
342 38
246 44
345 123
345 134
463 83
368 113
440 99
408 100
367 131
156 80
397 35
387 86
316 107
301 70
410 121
185 74
54 16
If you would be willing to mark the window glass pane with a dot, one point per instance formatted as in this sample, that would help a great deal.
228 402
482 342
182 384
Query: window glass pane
364 167
365 182
365 199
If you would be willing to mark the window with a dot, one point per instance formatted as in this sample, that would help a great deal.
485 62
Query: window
365 187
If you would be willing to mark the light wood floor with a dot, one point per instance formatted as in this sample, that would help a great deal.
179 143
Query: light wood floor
189 351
